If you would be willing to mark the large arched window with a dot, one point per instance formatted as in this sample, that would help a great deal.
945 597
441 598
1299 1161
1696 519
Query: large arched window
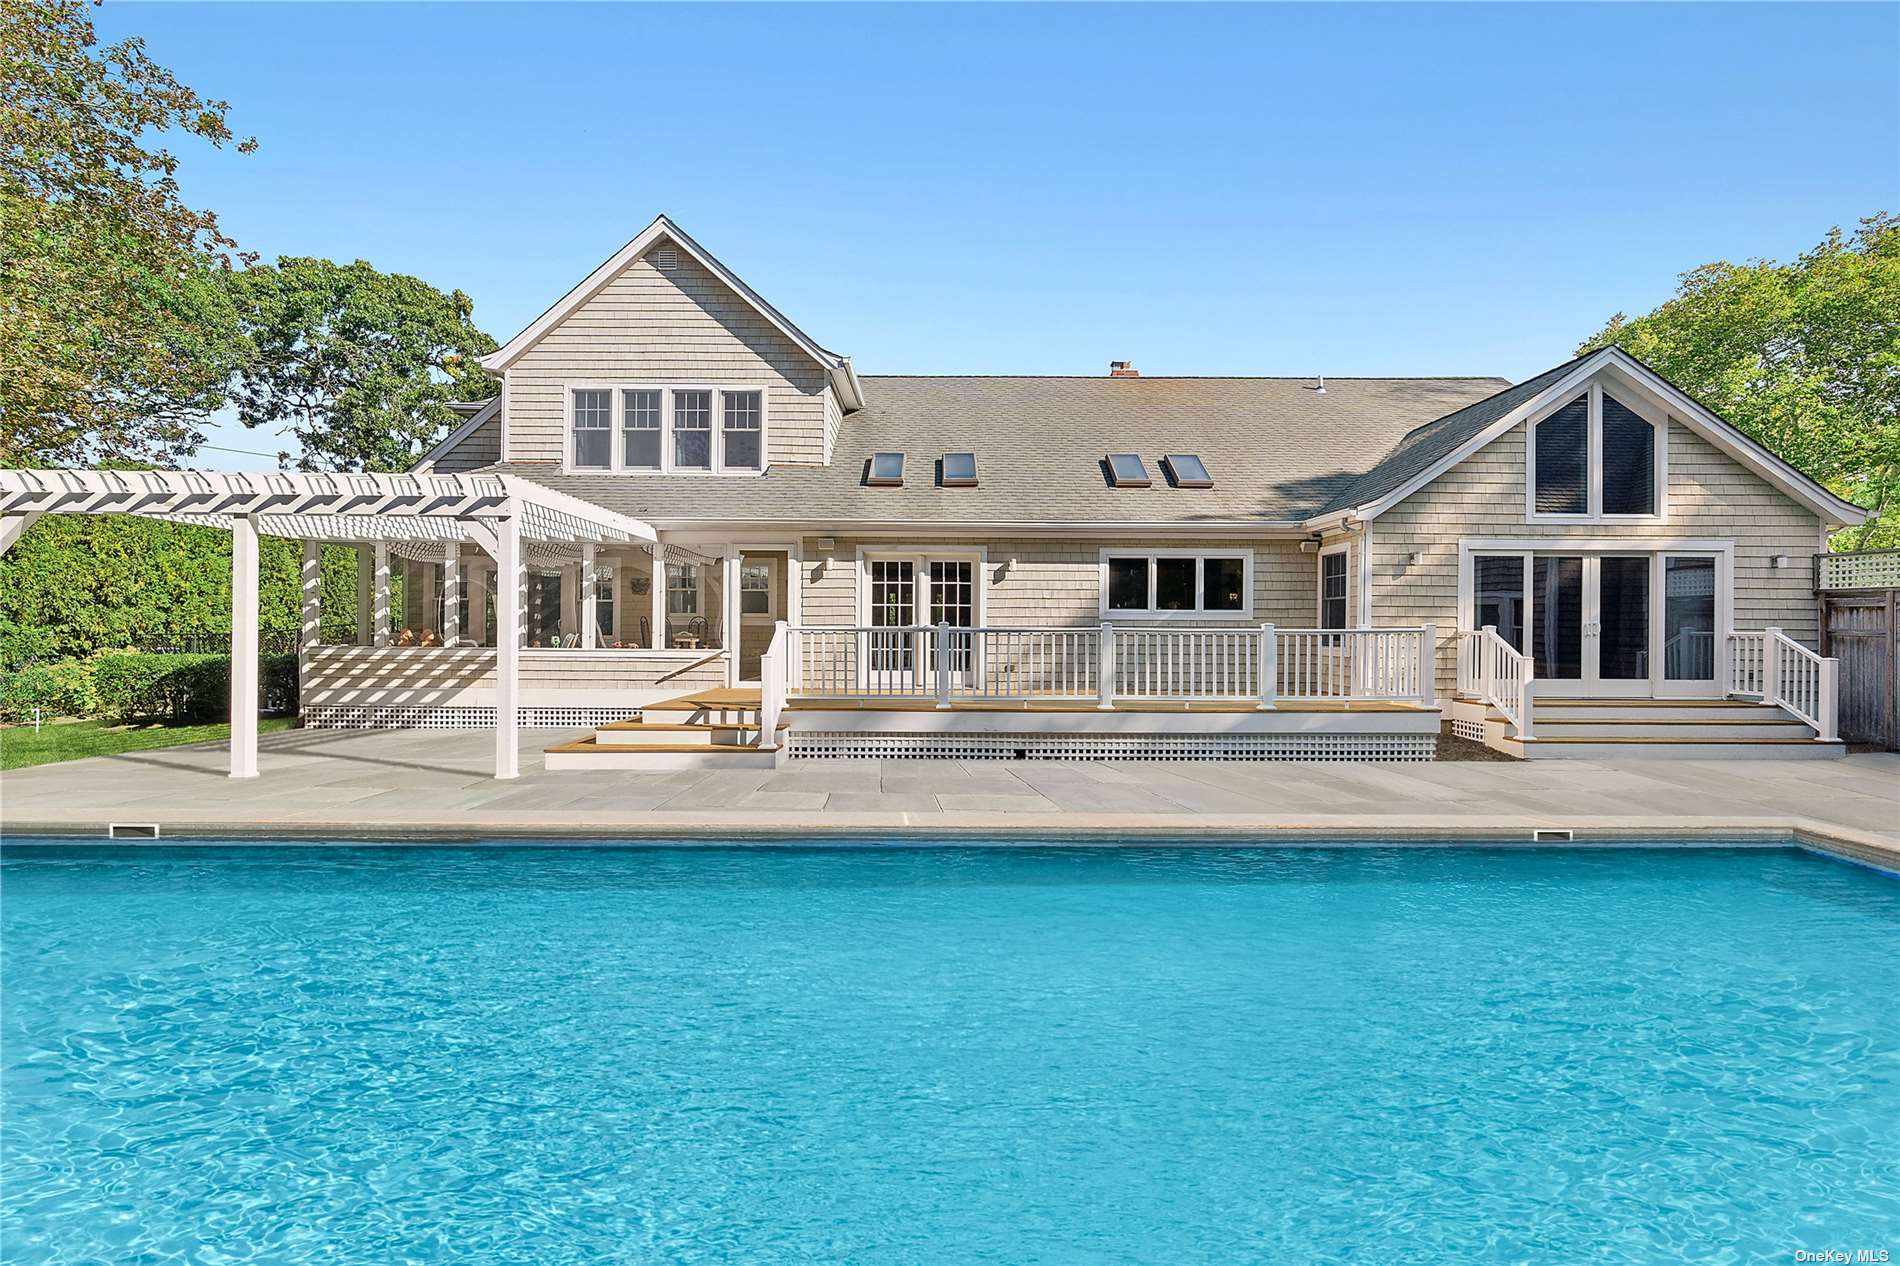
1593 458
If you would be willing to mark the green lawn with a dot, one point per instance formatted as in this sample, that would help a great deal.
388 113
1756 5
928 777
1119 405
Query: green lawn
70 740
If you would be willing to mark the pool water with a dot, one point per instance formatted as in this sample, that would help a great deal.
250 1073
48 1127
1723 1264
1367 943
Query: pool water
514 1055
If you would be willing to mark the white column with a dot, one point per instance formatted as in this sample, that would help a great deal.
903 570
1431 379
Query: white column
379 597
311 631
590 584
570 598
729 614
243 646
508 581
658 595
451 594
365 590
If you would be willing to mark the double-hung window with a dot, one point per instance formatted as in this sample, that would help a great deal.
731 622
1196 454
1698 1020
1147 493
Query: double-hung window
692 430
669 430
682 588
1165 584
640 428
1332 590
755 588
741 420
593 429
604 602
1595 458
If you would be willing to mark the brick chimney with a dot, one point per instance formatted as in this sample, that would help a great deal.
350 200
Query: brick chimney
1122 369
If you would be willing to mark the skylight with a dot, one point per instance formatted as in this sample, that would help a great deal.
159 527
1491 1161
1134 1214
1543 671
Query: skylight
887 470
1188 471
959 470
1126 470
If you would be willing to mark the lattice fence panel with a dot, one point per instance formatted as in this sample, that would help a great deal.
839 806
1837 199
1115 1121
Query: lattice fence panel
1876 569
444 717
841 744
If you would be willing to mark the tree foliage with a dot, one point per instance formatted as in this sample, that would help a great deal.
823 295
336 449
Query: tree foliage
75 584
118 336
358 365
1804 357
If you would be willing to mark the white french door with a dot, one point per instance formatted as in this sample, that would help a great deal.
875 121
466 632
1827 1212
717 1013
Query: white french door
1606 624
911 592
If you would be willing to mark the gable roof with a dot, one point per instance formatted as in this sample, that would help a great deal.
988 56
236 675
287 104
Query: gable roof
838 368
1276 448
476 414
1431 450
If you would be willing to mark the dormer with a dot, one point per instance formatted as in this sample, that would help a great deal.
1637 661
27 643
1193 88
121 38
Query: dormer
663 361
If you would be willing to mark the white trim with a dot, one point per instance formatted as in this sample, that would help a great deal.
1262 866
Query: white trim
616 427
1198 611
838 368
1692 415
1593 460
1278 530
474 423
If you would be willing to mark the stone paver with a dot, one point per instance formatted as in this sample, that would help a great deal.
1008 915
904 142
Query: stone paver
438 781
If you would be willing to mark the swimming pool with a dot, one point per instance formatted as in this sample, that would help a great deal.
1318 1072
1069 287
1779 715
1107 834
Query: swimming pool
946 1055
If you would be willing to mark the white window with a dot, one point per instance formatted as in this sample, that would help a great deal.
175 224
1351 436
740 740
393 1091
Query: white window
593 430
640 429
682 588
669 430
1595 458
755 589
1332 590
741 421
604 603
1169 584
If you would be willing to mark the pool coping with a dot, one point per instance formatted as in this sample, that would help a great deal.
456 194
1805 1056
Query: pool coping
1878 852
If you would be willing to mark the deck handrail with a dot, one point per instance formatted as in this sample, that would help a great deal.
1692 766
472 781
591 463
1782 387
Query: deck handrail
1103 663
1493 670
772 686
1779 670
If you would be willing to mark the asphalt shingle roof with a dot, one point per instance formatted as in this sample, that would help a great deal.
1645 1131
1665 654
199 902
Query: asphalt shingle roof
1277 450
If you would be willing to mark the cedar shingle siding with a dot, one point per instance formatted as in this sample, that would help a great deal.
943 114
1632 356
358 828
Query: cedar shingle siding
682 326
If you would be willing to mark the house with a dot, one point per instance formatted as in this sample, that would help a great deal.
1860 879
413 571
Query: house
800 558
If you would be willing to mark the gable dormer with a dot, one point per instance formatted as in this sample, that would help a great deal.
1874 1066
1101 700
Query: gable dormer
664 361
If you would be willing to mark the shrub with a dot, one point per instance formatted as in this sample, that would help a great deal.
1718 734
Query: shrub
130 685
61 688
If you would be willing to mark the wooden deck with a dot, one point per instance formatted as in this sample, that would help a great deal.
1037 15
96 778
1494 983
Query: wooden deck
744 697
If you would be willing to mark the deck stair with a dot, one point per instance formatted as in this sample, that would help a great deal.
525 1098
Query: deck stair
1652 729
710 729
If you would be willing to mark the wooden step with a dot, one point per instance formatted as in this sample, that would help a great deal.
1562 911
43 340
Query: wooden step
586 754
1639 747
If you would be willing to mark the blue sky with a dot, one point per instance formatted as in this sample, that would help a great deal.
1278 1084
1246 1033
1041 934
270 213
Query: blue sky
1348 189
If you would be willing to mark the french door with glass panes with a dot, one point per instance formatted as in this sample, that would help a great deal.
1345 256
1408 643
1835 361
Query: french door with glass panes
911 596
1609 625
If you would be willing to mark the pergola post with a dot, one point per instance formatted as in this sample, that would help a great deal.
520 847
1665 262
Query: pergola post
379 600
365 587
310 632
658 596
508 579
451 594
243 646
590 625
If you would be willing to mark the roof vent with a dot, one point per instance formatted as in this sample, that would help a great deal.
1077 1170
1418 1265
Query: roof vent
666 259
1123 369
1321 389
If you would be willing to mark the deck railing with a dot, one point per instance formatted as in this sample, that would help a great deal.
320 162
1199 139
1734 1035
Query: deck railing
1779 670
1107 664
1491 669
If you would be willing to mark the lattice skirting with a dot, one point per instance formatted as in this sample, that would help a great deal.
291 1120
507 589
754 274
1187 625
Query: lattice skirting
808 744
393 716
1466 728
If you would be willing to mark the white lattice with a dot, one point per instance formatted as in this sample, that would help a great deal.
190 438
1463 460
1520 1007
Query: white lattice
821 744
1468 728
391 716
1877 569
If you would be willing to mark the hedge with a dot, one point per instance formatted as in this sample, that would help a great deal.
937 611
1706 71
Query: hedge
136 684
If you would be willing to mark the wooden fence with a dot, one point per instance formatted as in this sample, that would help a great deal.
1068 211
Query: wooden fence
1857 596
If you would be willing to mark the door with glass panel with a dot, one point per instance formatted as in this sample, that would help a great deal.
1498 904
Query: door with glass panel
953 601
1687 629
891 658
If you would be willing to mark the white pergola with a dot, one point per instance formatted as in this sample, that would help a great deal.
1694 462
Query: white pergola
500 514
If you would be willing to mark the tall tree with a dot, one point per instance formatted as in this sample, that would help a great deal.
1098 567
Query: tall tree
118 338
1804 357
358 365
